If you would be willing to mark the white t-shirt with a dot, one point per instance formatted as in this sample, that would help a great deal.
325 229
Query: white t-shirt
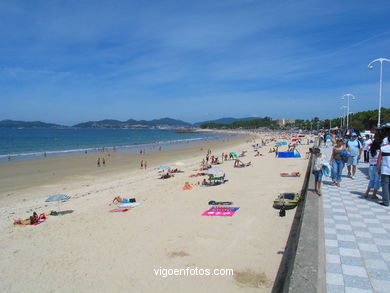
318 161
373 159
367 144
385 163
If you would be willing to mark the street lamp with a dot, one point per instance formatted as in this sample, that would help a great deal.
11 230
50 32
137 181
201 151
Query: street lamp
347 96
380 85
343 117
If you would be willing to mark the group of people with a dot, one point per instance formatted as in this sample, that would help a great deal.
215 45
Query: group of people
376 152
101 162
143 164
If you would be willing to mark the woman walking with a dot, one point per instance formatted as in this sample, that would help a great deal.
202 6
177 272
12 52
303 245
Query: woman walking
337 162
373 169
384 170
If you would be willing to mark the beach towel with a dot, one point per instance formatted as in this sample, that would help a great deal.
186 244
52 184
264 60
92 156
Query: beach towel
212 202
293 154
128 205
118 210
224 209
220 211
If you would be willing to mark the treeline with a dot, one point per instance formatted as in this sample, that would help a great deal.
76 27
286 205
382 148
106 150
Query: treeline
366 120
244 124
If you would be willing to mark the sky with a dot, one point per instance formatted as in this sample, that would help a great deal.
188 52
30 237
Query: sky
73 61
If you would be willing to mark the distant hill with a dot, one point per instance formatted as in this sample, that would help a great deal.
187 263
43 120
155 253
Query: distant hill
131 123
28 124
251 123
228 120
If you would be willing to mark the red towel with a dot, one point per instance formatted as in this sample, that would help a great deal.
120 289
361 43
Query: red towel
118 210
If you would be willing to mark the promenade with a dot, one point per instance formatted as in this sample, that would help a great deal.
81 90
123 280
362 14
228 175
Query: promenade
357 236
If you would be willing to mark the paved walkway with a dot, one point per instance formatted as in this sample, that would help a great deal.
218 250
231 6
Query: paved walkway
357 236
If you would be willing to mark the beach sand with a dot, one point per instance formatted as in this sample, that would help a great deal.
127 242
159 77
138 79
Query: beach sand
92 250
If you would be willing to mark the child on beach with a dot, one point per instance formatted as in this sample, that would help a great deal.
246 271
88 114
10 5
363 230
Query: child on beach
319 159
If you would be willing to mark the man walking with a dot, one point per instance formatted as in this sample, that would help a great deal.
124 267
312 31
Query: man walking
354 147
366 147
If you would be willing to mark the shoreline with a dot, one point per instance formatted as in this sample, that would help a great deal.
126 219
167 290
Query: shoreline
115 147
65 169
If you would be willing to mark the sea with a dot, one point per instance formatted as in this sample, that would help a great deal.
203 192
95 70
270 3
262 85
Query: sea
27 143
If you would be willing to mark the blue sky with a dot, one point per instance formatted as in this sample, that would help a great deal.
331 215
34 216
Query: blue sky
73 61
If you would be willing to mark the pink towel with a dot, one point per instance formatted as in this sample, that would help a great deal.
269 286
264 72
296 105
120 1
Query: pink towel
218 213
118 210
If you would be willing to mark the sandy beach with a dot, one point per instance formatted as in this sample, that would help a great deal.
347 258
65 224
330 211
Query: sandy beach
92 250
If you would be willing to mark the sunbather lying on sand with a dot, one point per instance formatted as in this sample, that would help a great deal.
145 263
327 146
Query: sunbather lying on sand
166 176
175 171
119 199
31 220
293 174
205 167
197 175
240 164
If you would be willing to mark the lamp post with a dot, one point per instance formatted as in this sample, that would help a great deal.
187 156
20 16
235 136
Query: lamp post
380 60
347 96
343 117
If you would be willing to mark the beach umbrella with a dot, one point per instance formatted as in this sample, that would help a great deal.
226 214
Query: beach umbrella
215 172
164 168
233 154
57 198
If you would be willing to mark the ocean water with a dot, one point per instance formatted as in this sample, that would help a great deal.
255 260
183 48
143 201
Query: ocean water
26 143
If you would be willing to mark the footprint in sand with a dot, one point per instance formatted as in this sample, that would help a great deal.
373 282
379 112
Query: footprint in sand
252 279
180 253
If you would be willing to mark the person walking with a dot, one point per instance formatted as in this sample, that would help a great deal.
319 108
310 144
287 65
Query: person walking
337 162
383 166
328 140
366 148
317 171
354 148
373 169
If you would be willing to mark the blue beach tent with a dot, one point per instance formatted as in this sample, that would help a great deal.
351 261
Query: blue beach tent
293 154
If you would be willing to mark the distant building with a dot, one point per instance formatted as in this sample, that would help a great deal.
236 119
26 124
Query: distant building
283 121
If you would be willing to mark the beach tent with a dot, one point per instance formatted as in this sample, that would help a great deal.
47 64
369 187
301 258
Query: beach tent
233 154
293 154
215 172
